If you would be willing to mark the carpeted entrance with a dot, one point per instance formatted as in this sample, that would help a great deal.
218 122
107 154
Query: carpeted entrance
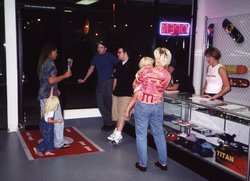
80 145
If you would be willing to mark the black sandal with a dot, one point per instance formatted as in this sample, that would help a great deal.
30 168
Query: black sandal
64 146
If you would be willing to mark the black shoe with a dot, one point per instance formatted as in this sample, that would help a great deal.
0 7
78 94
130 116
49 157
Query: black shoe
165 167
141 168
107 128
64 146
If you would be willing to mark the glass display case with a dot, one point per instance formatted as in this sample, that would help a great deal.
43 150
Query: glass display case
214 131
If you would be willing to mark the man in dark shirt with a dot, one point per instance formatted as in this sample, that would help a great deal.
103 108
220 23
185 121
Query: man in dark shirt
105 64
122 92
180 80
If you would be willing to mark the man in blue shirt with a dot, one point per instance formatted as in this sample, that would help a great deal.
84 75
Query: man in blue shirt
105 64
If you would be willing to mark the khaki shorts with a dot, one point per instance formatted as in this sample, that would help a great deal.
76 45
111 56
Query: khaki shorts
119 105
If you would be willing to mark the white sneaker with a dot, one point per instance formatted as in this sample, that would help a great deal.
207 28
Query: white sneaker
117 140
112 136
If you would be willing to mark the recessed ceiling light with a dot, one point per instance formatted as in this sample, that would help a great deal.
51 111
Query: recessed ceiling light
67 10
39 7
86 2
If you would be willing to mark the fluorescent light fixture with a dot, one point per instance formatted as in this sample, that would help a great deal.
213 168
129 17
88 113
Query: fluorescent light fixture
39 7
68 11
86 2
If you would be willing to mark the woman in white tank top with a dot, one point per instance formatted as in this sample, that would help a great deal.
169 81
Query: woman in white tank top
216 80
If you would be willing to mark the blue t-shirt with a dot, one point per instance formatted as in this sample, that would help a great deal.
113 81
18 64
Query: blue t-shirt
48 70
105 65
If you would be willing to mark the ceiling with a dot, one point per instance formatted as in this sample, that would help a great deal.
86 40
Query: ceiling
102 4
70 2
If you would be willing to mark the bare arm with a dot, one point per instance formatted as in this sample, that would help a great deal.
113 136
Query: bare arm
114 83
203 93
90 71
173 87
50 120
55 79
204 89
131 104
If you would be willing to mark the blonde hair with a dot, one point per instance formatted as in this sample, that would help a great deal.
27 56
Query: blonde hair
146 61
51 104
162 56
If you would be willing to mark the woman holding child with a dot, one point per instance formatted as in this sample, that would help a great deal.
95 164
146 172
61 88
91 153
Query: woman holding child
152 82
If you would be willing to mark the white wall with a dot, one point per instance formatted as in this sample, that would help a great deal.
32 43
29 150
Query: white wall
212 9
11 64
220 8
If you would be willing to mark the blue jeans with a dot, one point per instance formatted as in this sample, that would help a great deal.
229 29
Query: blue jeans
47 131
149 115
58 127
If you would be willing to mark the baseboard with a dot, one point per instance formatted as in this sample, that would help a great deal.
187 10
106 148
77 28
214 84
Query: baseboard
81 113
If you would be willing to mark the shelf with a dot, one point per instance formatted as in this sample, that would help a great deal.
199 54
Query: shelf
207 167
183 98
212 121
208 160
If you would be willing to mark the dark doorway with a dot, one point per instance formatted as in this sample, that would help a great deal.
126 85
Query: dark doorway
3 91
133 23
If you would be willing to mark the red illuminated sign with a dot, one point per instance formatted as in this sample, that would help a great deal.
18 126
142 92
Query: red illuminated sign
174 28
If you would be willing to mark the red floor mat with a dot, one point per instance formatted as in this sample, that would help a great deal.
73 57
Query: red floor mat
80 145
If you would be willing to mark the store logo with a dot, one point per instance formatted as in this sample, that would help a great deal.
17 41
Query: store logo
224 156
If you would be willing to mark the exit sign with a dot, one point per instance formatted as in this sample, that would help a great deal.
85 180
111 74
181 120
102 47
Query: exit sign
174 28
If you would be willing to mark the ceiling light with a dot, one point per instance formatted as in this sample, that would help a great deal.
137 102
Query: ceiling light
67 10
39 7
86 2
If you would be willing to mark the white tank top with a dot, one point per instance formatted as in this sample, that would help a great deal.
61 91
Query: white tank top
213 78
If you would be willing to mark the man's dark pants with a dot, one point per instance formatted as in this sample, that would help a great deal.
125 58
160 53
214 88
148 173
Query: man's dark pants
104 100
